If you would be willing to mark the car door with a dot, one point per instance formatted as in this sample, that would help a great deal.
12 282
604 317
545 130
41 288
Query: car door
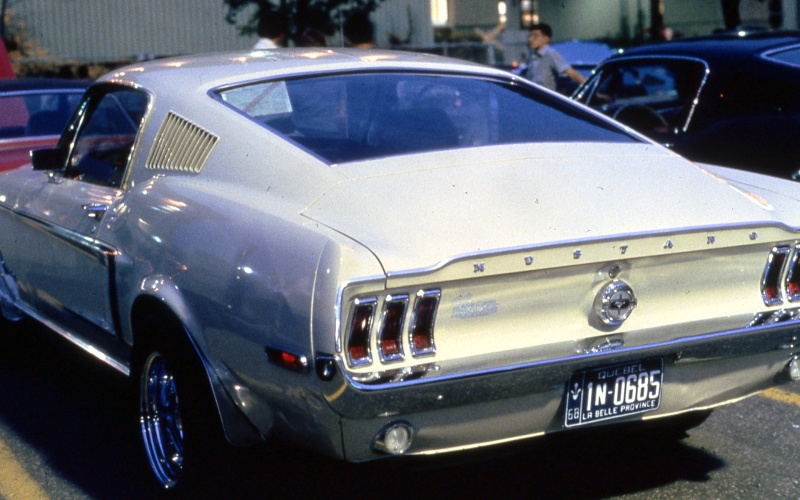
65 273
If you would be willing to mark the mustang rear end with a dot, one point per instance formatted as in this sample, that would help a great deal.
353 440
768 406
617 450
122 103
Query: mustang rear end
491 348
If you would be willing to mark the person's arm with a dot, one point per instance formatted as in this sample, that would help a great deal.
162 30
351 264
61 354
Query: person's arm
574 75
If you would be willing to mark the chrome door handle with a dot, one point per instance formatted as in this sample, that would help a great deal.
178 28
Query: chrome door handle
95 210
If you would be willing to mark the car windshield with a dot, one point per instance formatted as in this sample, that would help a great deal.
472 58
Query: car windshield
362 116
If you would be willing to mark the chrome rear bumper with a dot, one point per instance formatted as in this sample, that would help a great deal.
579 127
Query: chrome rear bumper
485 406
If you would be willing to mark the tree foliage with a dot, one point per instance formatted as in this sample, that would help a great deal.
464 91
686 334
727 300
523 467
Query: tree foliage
296 15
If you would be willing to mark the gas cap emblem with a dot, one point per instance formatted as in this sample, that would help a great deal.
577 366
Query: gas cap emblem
614 303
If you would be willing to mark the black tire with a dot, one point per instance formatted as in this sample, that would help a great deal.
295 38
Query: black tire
16 316
178 422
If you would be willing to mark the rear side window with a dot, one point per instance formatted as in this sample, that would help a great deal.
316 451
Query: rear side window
361 116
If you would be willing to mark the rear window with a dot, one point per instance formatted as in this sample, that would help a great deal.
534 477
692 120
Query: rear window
361 116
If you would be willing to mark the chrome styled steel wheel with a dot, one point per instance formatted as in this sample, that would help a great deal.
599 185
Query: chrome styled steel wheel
161 421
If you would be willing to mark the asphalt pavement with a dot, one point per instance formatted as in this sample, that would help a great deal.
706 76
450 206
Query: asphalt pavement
67 431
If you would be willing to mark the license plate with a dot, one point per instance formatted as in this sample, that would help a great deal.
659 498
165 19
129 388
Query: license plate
614 391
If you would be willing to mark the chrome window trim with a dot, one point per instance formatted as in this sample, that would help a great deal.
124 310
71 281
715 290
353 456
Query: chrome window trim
768 55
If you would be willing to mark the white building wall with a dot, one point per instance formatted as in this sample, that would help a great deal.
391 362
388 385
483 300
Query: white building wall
107 30
405 20
113 29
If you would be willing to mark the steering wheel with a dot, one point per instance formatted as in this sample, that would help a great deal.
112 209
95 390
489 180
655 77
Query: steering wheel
641 118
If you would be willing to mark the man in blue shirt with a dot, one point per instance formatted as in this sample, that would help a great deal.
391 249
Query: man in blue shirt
545 63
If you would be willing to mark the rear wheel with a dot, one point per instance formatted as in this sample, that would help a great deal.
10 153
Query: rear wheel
179 426
161 420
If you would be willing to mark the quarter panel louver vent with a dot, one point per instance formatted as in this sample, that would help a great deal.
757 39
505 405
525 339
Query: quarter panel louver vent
180 146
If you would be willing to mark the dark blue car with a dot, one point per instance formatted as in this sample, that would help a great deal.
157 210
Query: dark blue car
725 99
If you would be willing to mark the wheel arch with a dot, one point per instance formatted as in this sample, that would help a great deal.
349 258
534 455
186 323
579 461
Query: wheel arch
238 430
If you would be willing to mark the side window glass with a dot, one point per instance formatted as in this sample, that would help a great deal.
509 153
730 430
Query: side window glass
104 141
653 97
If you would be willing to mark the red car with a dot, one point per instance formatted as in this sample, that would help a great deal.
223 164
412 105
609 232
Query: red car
6 70
33 112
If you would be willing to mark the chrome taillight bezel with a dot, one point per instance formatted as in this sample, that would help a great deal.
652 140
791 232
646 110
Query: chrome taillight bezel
385 330
423 320
772 287
360 335
792 282
391 328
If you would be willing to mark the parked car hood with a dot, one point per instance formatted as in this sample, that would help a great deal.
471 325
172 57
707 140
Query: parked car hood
418 211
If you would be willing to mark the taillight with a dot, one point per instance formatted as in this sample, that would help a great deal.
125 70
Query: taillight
421 331
771 281
793 276
390 338
358 340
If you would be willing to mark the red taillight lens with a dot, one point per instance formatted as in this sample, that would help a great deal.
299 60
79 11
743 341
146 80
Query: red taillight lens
421 333
771 282
360 327
390 339
793 276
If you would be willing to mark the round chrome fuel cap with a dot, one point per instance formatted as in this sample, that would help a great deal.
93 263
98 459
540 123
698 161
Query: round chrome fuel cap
615 303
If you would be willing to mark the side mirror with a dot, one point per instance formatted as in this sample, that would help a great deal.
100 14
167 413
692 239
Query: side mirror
47 159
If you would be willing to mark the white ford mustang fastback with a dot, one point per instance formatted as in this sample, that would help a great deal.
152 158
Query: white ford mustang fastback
375 253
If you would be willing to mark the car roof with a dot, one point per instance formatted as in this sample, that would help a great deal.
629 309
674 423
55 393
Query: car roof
28 84
720 47
207 71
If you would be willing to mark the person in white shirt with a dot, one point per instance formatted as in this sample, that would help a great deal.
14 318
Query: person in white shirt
270 32
545 63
